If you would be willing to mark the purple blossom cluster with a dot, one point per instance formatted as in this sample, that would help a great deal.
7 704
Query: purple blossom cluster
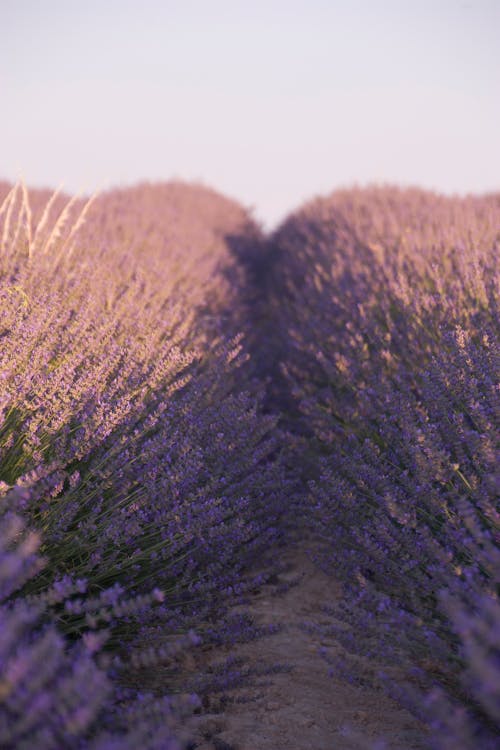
385 304
132 436
54 694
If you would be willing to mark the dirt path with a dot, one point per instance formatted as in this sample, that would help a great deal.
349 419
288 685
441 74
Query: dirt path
304 708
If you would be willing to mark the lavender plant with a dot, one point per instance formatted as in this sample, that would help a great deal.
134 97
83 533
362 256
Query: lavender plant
129 426
54 694
388 303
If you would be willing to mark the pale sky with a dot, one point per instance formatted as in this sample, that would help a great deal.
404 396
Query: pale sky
270 102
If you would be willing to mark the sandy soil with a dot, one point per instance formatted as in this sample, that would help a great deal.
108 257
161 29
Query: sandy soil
304 708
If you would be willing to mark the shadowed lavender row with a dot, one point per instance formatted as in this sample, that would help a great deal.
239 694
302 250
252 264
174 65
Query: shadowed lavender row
387 303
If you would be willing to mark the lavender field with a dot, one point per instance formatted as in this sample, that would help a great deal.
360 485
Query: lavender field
184 399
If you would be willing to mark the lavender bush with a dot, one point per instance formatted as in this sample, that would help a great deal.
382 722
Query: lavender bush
388 304
130 429
141 450
54 694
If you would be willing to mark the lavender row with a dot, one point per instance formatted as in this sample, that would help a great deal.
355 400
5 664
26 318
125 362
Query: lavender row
385 309
131 437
